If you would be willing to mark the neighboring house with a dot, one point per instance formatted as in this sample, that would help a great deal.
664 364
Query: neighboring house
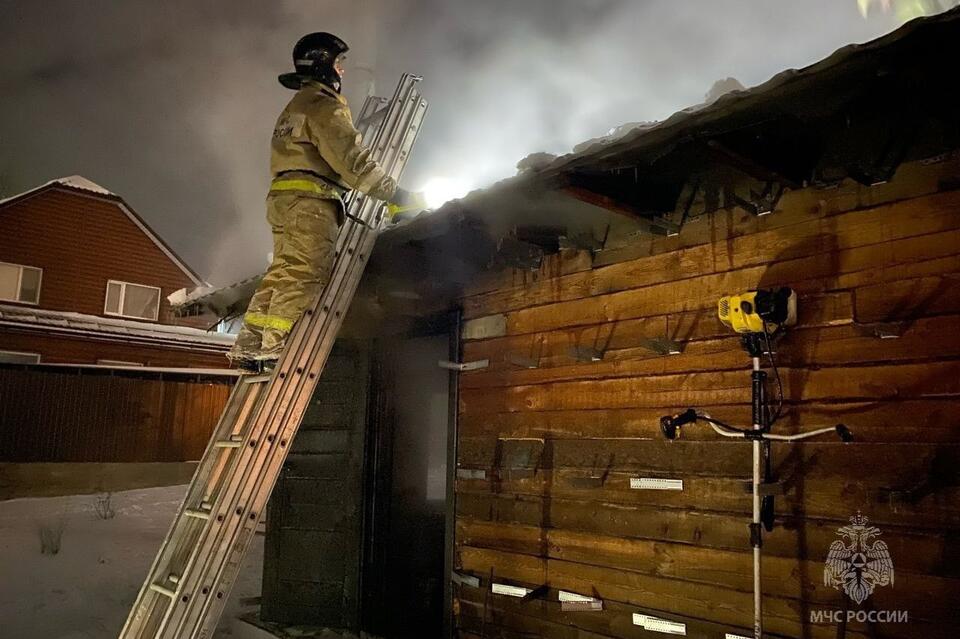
93 365
84 280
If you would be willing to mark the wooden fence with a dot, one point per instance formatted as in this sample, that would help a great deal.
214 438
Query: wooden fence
73 414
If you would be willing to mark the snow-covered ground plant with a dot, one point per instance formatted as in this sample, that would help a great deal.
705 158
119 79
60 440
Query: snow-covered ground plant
104 506
51 534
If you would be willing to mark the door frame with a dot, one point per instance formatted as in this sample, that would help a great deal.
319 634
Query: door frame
377 469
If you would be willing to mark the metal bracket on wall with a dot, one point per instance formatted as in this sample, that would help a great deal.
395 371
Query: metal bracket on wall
593 481
586 354
518 457
581 242
663 226
464 579
522 361
762 202
661 345
656 225
464 366
882 330
597 477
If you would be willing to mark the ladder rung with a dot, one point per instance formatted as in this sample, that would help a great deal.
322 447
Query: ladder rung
196 514
163 590
235 441
173 578
257 379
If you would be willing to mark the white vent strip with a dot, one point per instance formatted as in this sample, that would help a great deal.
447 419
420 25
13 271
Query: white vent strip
730 635
655 483
656 624
510 591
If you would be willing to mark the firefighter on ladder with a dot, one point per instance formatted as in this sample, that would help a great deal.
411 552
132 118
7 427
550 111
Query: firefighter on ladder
316 157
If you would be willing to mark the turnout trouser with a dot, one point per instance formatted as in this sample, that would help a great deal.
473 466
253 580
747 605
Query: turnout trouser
304 234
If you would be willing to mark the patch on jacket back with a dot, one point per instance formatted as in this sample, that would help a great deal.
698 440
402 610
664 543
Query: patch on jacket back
288 125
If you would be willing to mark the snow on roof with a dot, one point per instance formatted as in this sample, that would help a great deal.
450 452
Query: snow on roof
182 297
222 301
93 325
82 183
71 181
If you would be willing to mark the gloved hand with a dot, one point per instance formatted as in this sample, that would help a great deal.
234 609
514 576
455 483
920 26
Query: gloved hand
404 201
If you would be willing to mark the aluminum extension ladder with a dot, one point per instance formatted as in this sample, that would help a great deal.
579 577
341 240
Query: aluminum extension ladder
188 584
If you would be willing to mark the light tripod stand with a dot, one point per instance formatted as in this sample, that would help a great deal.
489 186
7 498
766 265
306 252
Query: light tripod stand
756 309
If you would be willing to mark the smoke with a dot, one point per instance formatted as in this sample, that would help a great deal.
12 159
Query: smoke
906 9
171 104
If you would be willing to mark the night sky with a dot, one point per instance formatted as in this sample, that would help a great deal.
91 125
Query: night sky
171 104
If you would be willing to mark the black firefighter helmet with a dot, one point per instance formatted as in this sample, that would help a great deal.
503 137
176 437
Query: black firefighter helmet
314 56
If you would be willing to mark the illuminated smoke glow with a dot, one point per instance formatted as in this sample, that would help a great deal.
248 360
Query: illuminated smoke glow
171 104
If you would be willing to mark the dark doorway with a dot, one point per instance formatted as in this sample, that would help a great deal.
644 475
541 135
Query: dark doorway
403 577
312 551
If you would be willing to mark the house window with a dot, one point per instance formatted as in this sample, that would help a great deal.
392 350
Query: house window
15 357
132 300
19 283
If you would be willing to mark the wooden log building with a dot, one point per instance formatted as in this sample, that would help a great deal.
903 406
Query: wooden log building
582 296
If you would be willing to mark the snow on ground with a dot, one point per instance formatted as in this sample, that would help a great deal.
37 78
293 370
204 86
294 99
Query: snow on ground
87 589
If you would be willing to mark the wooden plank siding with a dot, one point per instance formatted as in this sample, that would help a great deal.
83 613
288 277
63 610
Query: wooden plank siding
92 416
59 349
80 241
554 447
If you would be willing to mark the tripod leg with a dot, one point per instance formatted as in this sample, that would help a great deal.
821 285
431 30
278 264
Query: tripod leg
756 534
756 541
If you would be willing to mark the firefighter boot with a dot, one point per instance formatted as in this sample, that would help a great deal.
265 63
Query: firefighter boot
274 341
246 349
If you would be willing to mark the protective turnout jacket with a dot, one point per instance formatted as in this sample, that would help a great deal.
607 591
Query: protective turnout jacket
315 137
